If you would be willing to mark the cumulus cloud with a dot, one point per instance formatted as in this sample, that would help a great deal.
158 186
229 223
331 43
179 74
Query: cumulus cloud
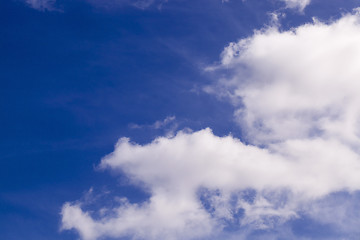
196 181
298 83
295 95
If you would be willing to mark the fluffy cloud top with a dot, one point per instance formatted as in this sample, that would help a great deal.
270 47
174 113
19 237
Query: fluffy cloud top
226 163
295 93
298 83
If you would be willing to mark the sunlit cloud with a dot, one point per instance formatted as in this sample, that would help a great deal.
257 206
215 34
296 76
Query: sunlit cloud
295 95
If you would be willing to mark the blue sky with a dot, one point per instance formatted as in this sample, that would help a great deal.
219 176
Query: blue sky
253 105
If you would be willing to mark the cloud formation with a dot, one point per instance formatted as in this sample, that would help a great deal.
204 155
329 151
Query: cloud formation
297 84
156 125
185 173
297 4
48 5
295 93
41 5
140 4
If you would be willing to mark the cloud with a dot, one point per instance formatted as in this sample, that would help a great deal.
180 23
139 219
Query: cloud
166 121
167 126
114 4
297 4
156 125
298 83
49 5
196 181
295 94
42 5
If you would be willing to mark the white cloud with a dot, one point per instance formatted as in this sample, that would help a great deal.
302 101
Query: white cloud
174 170
227 164
296 95
298 83
297 4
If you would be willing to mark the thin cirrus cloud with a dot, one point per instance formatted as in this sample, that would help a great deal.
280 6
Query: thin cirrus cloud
42 5
113 4
295 94
49 5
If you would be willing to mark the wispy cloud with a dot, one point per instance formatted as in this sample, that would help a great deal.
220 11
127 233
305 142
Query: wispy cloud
156 125
48 5
140 4
169 125
297 4
42 5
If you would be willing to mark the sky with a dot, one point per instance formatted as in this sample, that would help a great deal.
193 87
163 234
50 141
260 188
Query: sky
179 120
